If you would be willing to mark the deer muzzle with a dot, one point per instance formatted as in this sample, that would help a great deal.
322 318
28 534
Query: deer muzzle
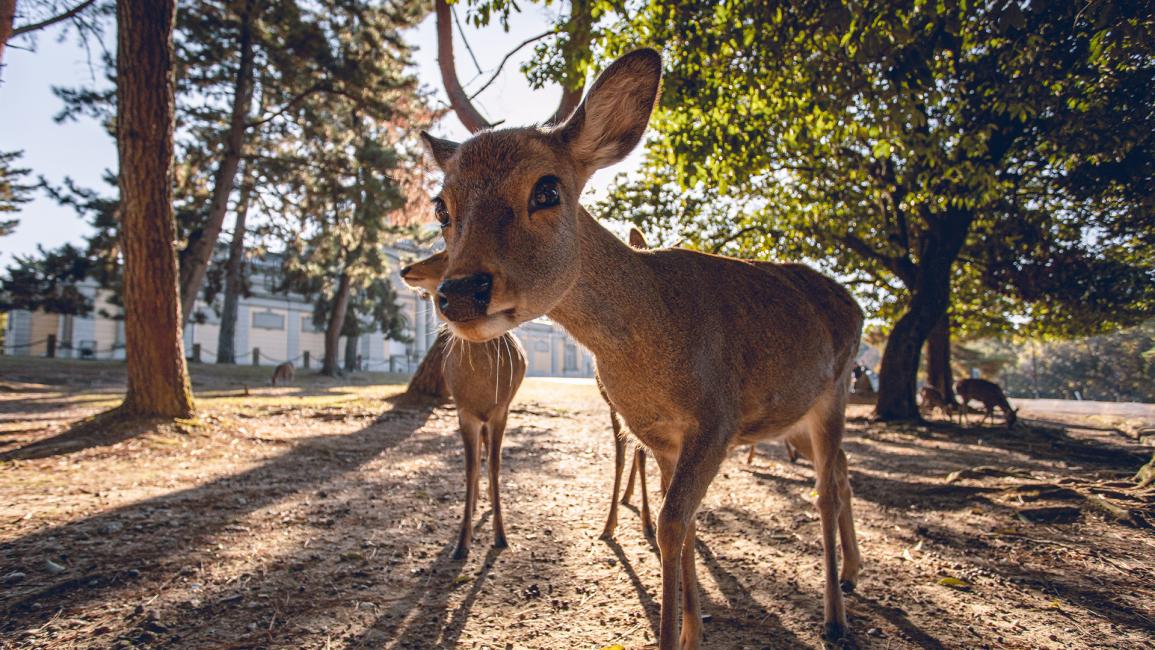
465 298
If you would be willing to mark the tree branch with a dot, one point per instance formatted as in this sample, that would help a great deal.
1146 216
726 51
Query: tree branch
458 99
48 22
317 87
508 56
902 269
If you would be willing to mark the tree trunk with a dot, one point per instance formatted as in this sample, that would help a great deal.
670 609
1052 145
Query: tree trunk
226 338
7 16
158 382
330 365
930 297
197 258
351 353
938 358
429 381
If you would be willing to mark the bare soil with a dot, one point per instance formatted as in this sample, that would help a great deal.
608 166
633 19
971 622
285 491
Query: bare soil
323 515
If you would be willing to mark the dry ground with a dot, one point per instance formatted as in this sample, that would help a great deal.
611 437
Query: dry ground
322 516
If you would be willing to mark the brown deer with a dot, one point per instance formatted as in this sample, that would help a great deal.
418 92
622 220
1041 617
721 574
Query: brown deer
989 394
283 373
638 467
482 378
697 352
933 399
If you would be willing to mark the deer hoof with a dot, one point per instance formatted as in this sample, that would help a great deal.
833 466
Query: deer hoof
848 586
460 552
499 542
833 634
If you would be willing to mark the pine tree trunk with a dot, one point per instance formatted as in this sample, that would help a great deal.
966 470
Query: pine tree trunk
226 338
196 260
938 358
158 382
429 381
930 297
330 366
7 16
351 353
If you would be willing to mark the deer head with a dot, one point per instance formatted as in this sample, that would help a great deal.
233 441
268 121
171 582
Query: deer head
509 208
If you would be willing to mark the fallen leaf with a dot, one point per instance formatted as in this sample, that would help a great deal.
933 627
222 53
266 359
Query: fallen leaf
955 583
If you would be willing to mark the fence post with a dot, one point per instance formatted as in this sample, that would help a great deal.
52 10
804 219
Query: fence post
305 359
196 352
51 354
256 356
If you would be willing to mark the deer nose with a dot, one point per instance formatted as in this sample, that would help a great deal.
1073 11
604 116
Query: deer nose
405 270
465 298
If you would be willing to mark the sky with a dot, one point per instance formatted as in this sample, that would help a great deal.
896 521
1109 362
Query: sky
82 150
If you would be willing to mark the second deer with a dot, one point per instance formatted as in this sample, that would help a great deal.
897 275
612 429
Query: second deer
933 399
483 379
990 394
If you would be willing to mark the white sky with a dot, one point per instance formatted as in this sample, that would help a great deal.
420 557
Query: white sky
81 150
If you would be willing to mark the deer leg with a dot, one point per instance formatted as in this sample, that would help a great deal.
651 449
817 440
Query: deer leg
826 439
697 465
471 432
619 465
851 558
791 452
640 468
750 456
496 432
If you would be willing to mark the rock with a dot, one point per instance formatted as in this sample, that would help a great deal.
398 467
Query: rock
111 527
875 632
14 577
53 567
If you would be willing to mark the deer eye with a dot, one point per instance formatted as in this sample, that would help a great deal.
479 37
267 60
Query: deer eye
442 212
546 193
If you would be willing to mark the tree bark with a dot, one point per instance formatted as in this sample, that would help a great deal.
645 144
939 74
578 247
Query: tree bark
7 16
938 358
197 258
330 366
580 31
158 382
226 338
930 297
429 381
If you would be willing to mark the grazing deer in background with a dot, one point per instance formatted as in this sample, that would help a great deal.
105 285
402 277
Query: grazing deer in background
482 378
283 373
638 467
697 352
933 399
989 394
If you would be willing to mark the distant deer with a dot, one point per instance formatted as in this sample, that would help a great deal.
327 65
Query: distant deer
697 352
283 373
989 394
482 378
933 399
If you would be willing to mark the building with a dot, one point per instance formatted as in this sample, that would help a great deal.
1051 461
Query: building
276 327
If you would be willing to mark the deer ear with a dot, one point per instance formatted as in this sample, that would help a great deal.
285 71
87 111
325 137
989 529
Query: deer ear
609 123
637 239
440 150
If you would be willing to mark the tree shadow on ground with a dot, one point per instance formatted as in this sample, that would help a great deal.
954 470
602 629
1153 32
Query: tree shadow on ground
100 430
116 549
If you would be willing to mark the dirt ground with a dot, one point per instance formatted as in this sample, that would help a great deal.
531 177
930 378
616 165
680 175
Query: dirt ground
323 515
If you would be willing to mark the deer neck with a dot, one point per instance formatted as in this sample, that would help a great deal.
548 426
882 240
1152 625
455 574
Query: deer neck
609 304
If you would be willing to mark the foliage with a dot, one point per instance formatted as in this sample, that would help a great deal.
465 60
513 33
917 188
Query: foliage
12 192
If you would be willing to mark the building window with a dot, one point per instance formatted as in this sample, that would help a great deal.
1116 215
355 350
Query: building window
307 325
267 320
570 358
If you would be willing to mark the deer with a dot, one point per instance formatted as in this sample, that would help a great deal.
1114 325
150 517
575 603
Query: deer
933 399
990 394
718 352
638 466
283 372
483 378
